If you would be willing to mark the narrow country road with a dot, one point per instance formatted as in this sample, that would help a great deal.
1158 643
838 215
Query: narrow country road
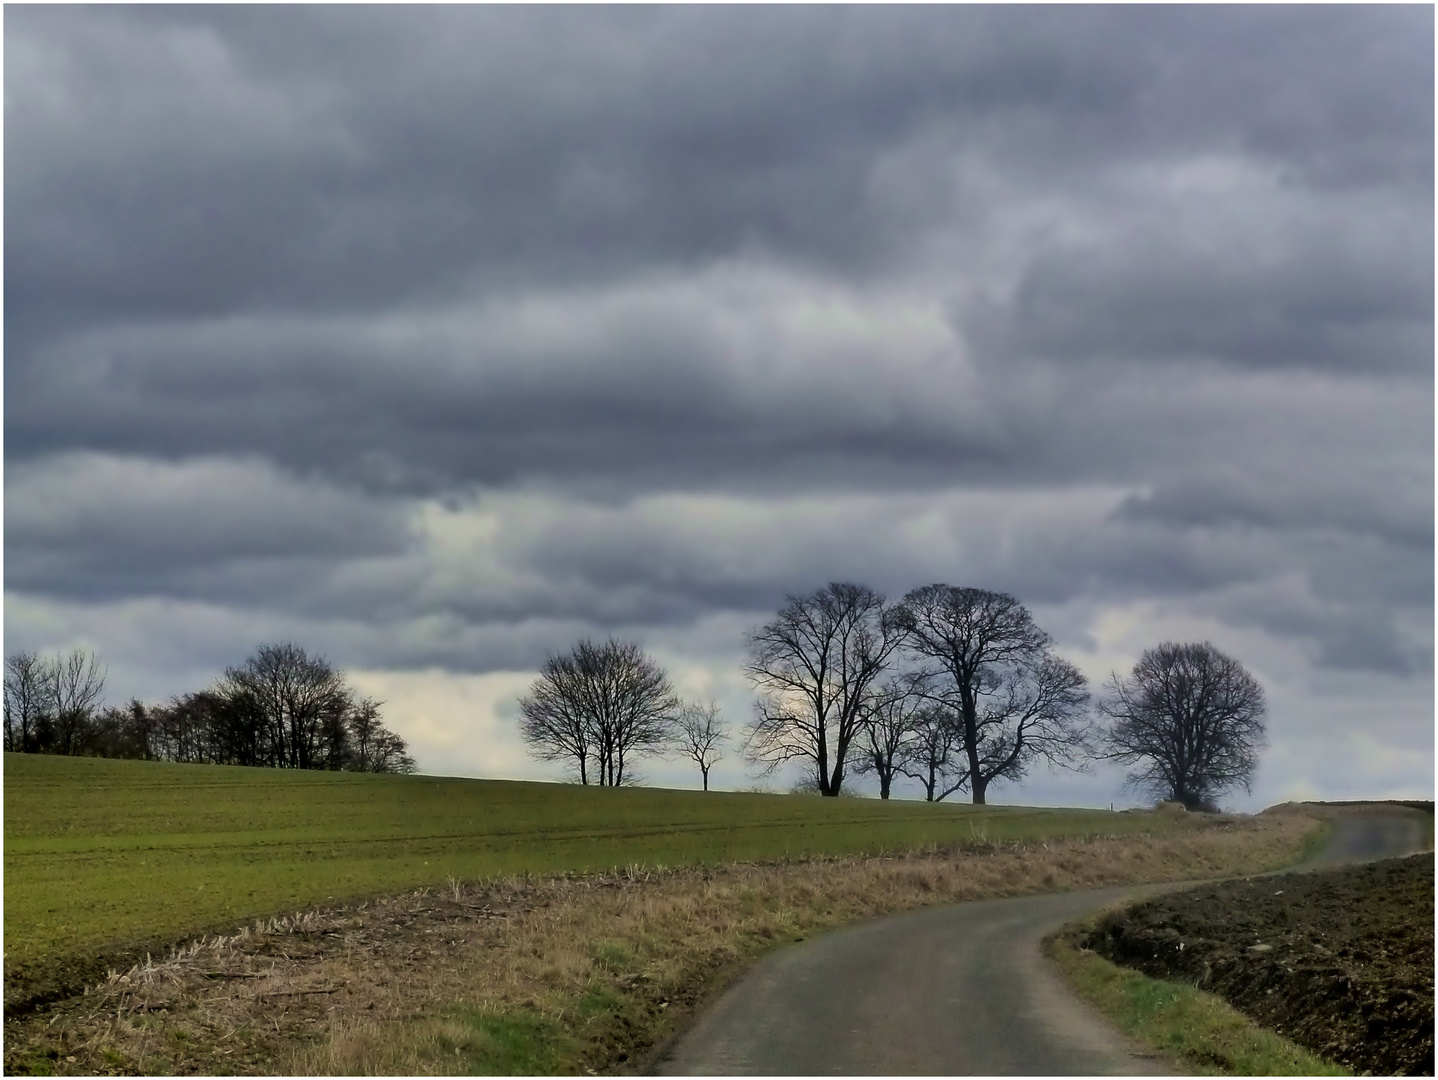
960 990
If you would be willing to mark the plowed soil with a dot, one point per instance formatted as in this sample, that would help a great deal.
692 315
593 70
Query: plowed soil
1339 961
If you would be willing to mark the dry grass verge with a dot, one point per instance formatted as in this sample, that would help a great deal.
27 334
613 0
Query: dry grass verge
568 974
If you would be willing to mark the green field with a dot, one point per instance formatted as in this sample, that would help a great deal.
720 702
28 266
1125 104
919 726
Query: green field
107 856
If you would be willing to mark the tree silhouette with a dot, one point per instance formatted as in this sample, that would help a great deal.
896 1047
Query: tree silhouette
1190 721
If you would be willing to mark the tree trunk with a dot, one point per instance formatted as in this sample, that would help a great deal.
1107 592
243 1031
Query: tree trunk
969 713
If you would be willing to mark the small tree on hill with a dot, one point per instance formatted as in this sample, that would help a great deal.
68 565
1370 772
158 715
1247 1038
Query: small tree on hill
1190 721
888 734
931 756
27 701
699 733
372 746
77 682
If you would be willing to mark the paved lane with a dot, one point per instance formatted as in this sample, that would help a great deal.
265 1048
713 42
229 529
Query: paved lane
1365 835
953 990
960 990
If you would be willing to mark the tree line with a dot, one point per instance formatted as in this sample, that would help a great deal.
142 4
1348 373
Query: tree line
282 708
955 688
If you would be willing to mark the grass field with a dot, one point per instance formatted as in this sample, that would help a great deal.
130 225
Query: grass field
106 857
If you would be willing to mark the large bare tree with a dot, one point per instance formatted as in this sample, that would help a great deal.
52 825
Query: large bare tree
77 682
601 706
1014 700
817 666
1190 721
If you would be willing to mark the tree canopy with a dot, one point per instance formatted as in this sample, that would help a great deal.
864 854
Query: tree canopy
1013 699
1189 720
599 707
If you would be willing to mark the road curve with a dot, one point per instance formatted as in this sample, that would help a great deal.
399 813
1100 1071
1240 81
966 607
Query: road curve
957 990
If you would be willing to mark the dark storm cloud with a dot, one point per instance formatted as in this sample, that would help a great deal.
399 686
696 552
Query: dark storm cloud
180 163
1313 304
384 254
89 526
1238 501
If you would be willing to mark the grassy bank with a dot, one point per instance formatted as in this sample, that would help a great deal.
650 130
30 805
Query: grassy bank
1198 1029
107 859
564 974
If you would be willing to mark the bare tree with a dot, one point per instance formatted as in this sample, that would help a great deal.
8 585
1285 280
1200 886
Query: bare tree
76 683
936 736
372 746
27 701
51 704
1190 719
699 733
554 719
1015 700
607 702
299 704
888 733
816 667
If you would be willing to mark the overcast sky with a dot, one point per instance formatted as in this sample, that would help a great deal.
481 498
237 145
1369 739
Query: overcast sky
433 339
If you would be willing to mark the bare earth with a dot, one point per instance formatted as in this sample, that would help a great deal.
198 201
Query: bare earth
1340 961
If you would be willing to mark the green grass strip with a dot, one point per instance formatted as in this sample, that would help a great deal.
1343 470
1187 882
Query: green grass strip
1199 1029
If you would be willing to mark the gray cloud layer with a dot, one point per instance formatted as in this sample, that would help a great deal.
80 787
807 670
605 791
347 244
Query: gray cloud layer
443 326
